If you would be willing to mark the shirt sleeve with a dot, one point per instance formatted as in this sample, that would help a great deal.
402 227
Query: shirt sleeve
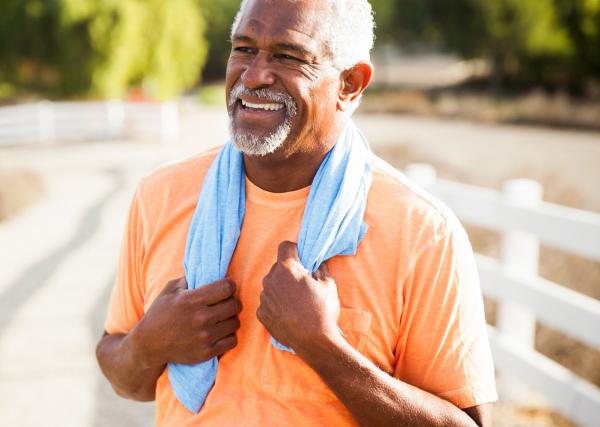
126 304
443 346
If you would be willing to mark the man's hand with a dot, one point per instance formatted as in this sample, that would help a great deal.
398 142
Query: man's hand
295 307
182 326
301 311
189 326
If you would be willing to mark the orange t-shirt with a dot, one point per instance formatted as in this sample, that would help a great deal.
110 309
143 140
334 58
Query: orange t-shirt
410 298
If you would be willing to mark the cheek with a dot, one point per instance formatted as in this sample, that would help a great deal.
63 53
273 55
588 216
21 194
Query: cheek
232 73
322 101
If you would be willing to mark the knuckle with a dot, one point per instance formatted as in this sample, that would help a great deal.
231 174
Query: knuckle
202 318
185 296
182 302
204 335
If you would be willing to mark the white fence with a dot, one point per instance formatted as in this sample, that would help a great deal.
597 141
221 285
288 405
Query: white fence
47 122
524 298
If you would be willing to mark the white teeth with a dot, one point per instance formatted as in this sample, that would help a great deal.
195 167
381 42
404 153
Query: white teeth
268 107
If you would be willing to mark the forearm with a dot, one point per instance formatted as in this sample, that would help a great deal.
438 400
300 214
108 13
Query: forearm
373 397
126 367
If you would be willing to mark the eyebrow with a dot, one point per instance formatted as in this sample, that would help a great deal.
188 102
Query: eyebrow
241 38
292 47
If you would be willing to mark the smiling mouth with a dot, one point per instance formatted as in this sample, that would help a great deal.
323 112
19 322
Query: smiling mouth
252 106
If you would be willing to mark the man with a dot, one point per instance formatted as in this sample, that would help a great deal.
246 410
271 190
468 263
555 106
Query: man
392 335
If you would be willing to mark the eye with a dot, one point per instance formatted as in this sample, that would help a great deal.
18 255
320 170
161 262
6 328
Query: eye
243 49
288 57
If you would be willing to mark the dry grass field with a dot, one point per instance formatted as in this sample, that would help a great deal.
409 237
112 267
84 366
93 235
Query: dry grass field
535 108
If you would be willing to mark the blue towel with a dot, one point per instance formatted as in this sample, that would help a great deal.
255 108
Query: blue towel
332 225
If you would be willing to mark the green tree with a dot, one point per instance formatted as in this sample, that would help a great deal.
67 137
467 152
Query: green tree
92 48
581 19
522 39
219 16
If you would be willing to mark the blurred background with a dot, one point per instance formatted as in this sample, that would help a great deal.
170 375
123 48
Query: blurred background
493 106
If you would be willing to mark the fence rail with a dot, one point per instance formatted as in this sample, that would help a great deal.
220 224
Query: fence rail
570 229
523 298
48 122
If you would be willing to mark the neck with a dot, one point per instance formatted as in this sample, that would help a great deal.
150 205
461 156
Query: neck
281 171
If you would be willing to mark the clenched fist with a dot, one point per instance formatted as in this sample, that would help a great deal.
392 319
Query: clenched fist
297 307
189 326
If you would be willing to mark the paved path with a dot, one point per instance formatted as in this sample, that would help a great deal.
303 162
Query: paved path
58 257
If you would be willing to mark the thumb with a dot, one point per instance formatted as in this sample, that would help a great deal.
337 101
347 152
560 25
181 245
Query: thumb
322 272
176 284
287 250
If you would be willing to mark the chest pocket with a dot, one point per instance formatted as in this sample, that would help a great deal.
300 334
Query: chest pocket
288 375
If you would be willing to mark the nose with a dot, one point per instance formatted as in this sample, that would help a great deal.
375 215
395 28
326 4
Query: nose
257 73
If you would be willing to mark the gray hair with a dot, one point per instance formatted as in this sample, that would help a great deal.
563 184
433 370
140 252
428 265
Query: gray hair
349 31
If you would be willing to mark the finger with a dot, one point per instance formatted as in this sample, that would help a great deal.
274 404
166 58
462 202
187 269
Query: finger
287 250
224 344
214 292
223 310
224 328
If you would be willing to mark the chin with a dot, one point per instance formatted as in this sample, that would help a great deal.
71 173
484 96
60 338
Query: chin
256 146
260 146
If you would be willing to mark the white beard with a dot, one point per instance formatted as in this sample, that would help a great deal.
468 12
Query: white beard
253 145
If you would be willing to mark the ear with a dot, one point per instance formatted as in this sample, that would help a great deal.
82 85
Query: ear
353 83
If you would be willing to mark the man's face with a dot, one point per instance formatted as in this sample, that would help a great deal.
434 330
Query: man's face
281 87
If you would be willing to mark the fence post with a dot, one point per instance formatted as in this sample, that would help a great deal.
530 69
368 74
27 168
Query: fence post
169 121
45 119
115 116
423 174
519 255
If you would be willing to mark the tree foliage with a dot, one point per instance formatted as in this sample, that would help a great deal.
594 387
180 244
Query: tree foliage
219 16
581 18
548 41
101 48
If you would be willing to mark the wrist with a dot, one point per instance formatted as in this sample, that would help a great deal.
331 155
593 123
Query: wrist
141 351
320 350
